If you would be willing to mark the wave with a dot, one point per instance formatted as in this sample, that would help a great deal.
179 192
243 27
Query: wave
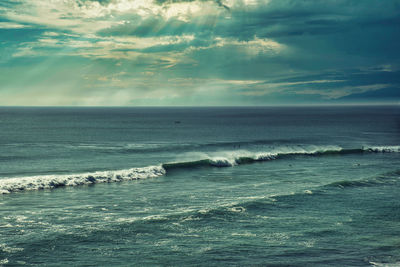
387 178
386 264
282 144
164 146
53 181
382 149
233 158
216 159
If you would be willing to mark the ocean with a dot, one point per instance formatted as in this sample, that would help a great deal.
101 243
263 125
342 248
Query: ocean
211 186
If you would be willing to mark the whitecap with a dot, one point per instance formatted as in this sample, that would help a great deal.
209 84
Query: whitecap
9 185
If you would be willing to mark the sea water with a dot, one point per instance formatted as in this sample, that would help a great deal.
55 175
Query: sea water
266 186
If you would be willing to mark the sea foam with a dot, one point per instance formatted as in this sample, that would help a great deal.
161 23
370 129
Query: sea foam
383 149
10 185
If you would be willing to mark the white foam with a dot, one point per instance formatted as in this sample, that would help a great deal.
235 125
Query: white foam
394 264
7 249
383 149
265 156
296 150
307 150
233 158
245 234
237 209
223 162
9 185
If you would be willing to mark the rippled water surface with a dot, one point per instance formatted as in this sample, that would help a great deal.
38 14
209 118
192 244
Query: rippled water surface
200 186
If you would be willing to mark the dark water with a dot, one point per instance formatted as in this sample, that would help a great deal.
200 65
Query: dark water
200 186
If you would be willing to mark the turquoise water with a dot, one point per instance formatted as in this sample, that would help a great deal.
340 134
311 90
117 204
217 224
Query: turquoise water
218 186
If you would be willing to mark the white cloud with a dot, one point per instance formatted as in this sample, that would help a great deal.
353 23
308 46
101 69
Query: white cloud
308 82
342 91
244 4
253 47
102 47
242 82
186 11
12 25
264 88
91 16
26 51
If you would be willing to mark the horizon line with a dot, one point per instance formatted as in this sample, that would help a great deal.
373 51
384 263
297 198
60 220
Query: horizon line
207 106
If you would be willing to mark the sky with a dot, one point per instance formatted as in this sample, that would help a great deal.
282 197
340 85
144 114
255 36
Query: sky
199 53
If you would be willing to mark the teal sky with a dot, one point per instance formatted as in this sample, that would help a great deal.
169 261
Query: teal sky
222 52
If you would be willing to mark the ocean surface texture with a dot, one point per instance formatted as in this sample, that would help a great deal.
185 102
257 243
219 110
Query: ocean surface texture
316 186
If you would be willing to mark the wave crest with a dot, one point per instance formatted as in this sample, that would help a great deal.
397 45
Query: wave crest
382 149
233 158
10 185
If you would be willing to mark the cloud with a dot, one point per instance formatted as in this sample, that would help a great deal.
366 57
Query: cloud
340 92
254 51
12 25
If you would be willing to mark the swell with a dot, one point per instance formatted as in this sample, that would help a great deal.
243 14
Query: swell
278 201
223 159
386 178
233 158
245 157
166 147
152 148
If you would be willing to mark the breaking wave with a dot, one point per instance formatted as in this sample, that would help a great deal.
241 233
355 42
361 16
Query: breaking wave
220 159
10 185
382 149
233 158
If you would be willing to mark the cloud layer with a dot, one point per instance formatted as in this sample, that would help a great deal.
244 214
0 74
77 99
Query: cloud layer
194 52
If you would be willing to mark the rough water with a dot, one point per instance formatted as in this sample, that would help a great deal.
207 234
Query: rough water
295 186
